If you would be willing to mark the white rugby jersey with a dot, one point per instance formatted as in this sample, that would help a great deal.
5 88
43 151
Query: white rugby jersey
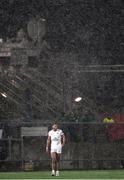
55 137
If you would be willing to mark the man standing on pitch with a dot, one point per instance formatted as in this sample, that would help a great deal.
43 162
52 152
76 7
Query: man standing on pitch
56 140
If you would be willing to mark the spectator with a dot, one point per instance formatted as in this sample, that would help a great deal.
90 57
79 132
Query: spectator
108 120
109 125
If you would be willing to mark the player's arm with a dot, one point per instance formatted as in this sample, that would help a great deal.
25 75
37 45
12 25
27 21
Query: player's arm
63 140
48 143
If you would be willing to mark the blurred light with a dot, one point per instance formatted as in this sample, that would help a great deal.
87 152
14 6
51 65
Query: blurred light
43 19
4 95
1 40
78 99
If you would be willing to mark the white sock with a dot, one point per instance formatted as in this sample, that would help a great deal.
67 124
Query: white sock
57 173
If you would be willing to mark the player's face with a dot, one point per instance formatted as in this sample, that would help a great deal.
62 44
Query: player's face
55 127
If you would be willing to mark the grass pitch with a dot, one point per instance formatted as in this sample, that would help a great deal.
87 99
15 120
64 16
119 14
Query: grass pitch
99 174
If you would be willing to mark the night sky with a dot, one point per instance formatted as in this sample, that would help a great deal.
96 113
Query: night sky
72 25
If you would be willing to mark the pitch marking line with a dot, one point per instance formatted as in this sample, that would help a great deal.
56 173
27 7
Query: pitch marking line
59 179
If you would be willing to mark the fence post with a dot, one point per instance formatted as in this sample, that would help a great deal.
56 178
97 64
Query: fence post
10 151
22 152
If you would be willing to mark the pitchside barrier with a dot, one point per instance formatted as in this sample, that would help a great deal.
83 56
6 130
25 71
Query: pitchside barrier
88 146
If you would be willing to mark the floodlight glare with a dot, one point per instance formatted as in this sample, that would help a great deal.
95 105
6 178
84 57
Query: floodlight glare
4 95
78 99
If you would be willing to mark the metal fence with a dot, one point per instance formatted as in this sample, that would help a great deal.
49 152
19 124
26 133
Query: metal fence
88 146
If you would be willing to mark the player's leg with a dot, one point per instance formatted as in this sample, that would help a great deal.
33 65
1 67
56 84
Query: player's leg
53 157
57 163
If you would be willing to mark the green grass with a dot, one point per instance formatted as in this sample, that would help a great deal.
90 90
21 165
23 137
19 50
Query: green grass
99 174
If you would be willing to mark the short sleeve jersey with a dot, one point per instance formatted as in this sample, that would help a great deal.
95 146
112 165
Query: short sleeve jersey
56 137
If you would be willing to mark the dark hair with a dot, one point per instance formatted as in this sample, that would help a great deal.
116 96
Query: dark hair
55 123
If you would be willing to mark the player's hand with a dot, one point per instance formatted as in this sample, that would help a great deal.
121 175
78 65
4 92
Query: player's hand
47 149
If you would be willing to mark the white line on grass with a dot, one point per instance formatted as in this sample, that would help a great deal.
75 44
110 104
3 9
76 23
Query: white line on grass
59 179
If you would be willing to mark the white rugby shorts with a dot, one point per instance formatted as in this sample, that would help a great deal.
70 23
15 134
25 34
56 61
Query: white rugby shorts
56 149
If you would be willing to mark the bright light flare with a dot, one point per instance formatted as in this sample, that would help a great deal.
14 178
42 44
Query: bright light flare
4 95
78 99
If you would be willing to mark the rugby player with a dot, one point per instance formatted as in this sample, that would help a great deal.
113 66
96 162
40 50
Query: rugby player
55 143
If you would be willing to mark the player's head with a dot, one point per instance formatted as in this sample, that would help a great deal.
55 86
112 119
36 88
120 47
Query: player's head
55 126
